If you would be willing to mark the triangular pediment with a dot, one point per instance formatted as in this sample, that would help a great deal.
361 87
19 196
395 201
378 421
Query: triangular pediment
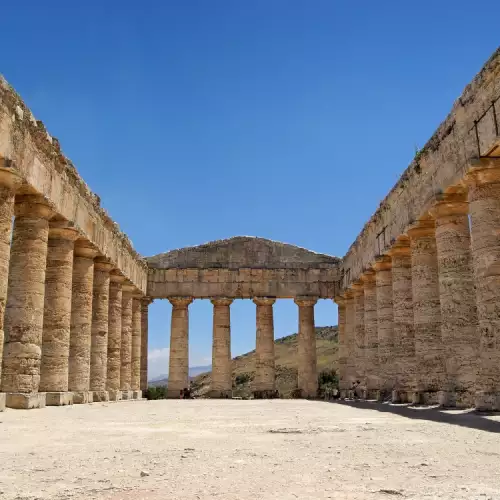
242 252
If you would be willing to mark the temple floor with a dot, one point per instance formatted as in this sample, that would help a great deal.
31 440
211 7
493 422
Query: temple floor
233 449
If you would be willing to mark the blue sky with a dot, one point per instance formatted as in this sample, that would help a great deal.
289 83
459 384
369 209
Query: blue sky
204 119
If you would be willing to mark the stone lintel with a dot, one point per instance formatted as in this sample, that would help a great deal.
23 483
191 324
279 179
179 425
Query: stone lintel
59 398
100 396
221 301
25 400
82 397
305 301
62 230
382 263
8 176
83 248
264 301
423 228
33 205
180 302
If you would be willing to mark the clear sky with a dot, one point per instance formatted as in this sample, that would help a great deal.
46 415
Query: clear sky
197 120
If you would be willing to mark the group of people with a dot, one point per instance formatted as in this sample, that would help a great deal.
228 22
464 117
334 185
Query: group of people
186 393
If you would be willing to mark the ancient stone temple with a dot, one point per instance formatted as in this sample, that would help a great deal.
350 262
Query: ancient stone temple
418 291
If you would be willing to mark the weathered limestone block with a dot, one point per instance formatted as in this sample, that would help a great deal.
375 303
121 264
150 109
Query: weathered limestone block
25 298
459 329
100 316
81 322
126 347
135 370
178 373
221 349
350 379
307 369
342 358
402 305
9 182
114 334
144 341
359 337
371 334
385 324
57 314
426 312
265 385
483 181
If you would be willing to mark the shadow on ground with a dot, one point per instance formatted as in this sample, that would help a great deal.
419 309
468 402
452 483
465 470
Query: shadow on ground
463 418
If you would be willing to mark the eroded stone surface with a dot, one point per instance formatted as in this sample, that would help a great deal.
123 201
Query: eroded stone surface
264 348
126 347
372 381
114 332
221 349
135 367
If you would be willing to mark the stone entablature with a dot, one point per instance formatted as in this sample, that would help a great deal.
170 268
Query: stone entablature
26 147
302 273
441 163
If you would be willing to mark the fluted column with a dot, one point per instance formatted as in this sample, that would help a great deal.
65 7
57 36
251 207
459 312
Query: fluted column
135 370
346 388
307 370
81 322
178 372
359 337
99 344
426 312
342 357
385 325
371 334
9 182
265 386
459 330
126 346
54 369
483 181
402 304
25 301
221 349
113 387
144 341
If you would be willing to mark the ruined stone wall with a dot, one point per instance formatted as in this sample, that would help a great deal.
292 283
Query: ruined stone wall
31 151
438 165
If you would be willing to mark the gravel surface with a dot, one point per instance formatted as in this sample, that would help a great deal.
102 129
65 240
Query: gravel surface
247 450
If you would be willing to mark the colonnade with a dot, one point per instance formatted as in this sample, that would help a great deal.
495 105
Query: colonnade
73 324
422 324
264 384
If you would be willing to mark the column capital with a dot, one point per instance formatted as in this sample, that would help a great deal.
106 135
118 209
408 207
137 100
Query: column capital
62 230
401 248
357 288
83 248
422 228
102 264
221 301
116 276
305 301
483 171
127 287
368 278
450 204
382 263
264 301
9 177
146 300
339 300
180 302
33 205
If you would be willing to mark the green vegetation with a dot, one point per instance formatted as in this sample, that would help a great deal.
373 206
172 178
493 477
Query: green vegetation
159 392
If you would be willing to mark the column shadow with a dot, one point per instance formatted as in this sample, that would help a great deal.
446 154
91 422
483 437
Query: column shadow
465 418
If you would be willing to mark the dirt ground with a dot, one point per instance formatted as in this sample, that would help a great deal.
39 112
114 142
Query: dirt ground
279 449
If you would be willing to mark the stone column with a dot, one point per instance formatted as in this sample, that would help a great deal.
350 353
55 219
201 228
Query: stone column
144 341
81 322
135 370
346 388
371 335
178 372
342 358
113 386
359 338
459 333
9 182
307 370
483 180
126 347
99 345
265 386
54 370
25 300
221 349
385 325
402 304
426 312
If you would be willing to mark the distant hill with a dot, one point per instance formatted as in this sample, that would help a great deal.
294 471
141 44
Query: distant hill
286 364
193 372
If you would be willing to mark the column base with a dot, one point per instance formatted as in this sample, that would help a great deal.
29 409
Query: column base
218 394
424 398
136 394
127 395
25 401
173 394
59 398
447 399
2 401
266 394
343 394
484 401
100 396
115 395
455 399
82 397
397 396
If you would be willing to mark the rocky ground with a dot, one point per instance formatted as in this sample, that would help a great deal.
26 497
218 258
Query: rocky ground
247 450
